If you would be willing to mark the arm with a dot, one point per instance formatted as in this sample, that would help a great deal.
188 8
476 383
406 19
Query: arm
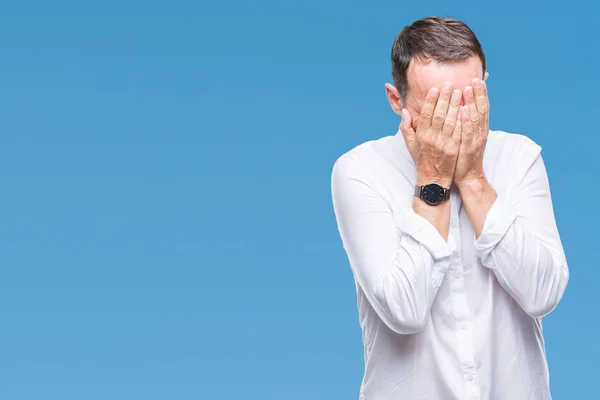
398 258
519 241
438 216
434 148
478 197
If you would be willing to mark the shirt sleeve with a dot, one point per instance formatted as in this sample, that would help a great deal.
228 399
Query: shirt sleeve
398 258
521 244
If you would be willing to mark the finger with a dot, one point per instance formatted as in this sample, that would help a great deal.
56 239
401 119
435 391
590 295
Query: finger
467 125
487 98
480 98
428 108
441 108
457 133
470 105
452 116
406 126
485 90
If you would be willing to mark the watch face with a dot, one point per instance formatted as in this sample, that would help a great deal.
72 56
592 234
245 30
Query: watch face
433 193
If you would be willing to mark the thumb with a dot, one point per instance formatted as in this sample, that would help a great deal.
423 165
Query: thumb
406 126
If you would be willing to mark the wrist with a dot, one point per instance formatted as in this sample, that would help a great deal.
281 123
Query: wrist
472 186
423 180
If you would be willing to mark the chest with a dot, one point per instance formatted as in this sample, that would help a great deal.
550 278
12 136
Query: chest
466 275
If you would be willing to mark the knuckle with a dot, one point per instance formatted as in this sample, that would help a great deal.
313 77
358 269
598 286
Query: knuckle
425 115
438 118
449 123
449 151
448 129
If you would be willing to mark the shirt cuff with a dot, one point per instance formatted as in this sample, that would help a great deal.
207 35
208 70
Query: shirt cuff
425 233
497 222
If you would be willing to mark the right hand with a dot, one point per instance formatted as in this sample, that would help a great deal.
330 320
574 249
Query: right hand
434 146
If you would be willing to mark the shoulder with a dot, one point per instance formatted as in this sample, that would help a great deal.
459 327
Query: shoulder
510 155
364 156
378 158
511 143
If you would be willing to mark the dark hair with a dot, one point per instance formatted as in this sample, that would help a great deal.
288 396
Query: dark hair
444 40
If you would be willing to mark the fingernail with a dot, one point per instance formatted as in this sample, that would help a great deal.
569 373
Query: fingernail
456 95
447 87
476 82
469 90
434 91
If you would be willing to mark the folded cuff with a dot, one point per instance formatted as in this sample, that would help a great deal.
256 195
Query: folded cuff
497 222
420 229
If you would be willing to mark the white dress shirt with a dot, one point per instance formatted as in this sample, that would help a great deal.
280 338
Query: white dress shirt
459 319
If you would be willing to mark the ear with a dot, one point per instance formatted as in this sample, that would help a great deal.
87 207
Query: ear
393 97
486 75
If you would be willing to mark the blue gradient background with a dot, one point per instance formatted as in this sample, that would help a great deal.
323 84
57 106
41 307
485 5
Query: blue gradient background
166 222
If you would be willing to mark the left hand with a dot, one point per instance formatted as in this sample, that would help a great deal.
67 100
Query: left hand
475 128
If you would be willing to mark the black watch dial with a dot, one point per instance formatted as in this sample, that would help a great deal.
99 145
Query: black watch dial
433 194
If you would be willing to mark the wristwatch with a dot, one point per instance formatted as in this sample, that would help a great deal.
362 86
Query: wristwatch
433 193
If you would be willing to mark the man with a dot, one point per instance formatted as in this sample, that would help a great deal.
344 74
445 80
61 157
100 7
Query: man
450 233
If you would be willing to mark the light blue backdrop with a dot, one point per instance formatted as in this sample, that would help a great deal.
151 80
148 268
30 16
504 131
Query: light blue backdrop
166 222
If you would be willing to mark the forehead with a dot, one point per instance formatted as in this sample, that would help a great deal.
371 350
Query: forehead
423 75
